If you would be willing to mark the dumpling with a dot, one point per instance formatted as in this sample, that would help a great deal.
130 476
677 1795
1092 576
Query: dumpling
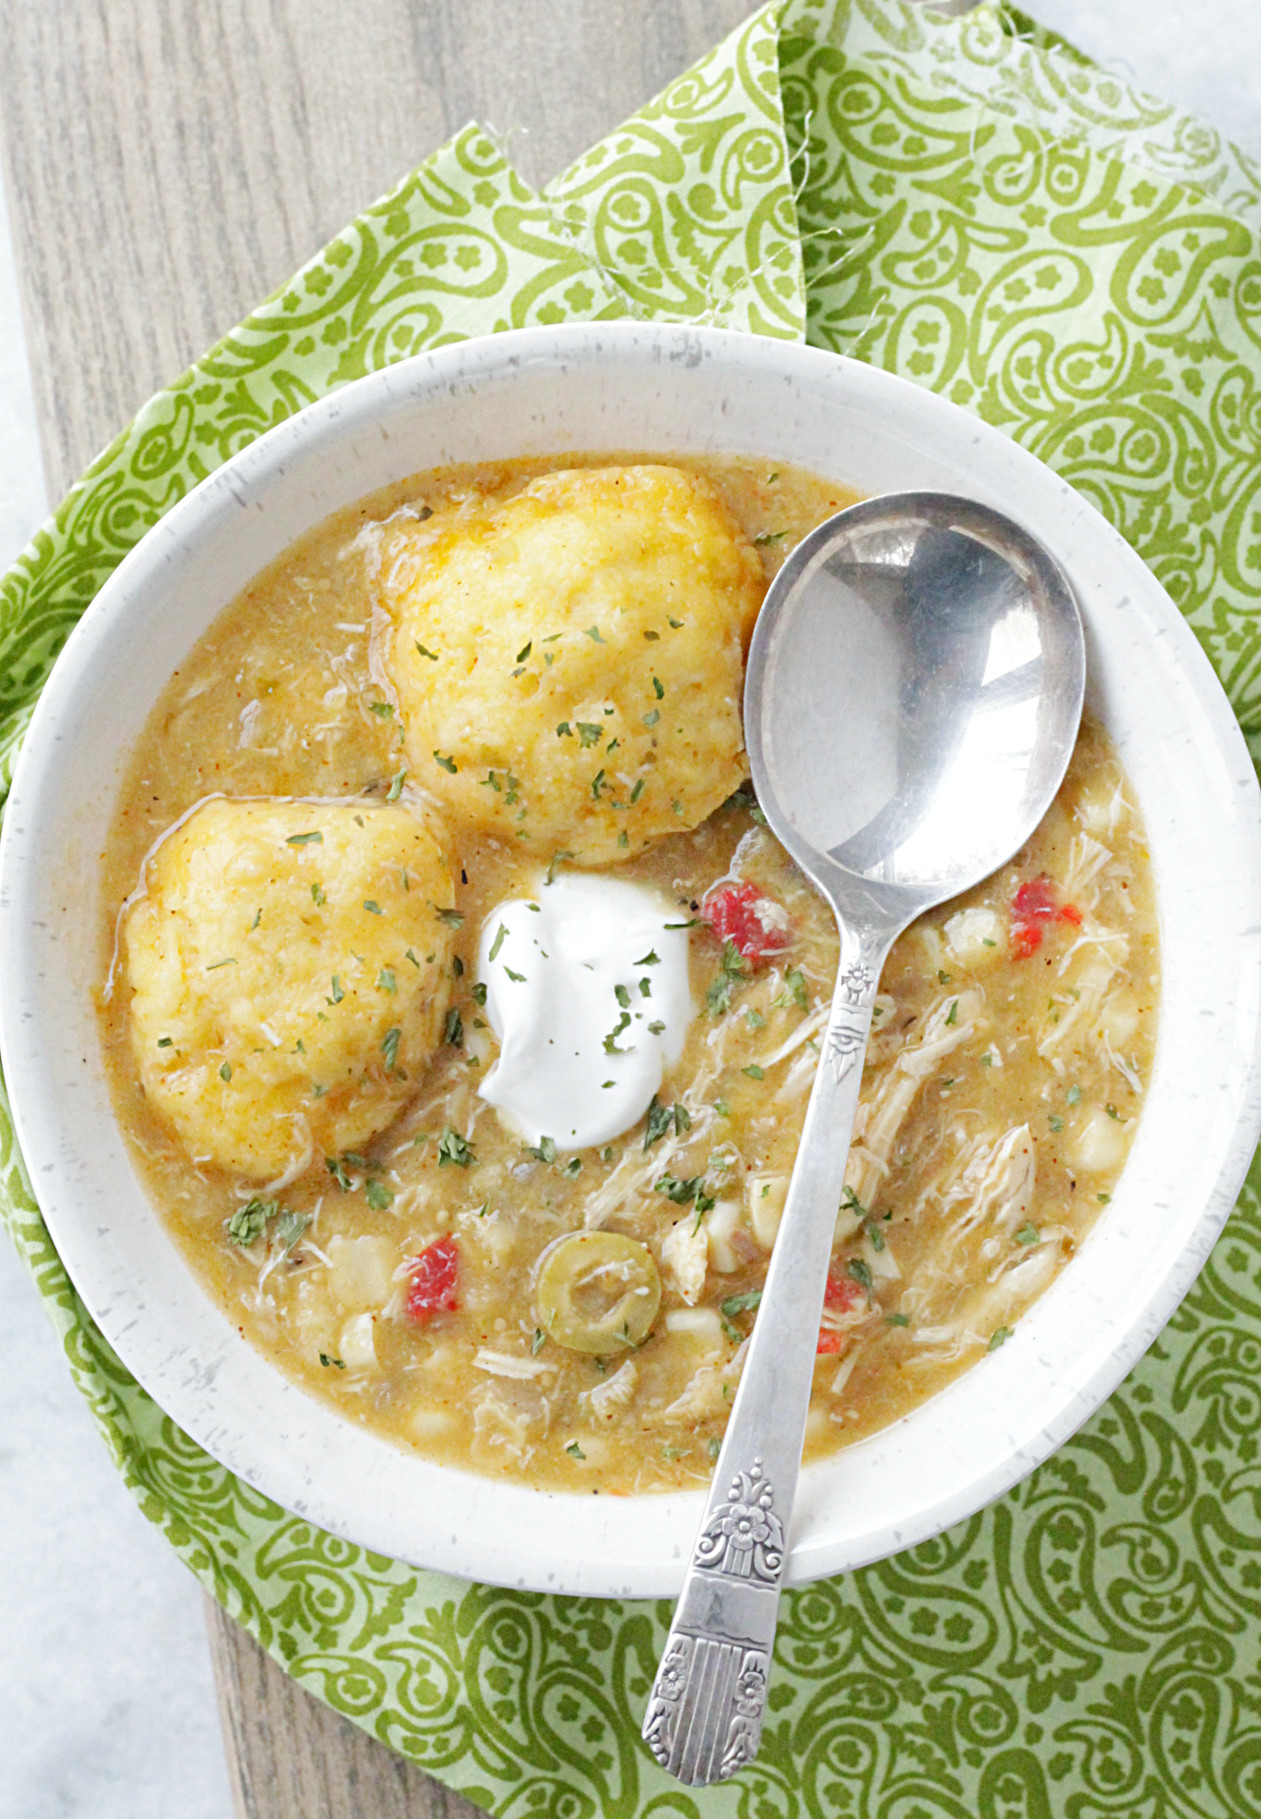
568 666
289 964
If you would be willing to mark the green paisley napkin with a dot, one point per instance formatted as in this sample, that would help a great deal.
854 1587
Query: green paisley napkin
971 205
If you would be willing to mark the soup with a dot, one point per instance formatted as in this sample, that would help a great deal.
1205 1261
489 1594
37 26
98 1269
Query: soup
339 832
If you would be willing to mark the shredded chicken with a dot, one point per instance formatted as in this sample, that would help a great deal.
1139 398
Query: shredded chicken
880 1118
685 1255
509 1364
1103 953
995 1190
616 1392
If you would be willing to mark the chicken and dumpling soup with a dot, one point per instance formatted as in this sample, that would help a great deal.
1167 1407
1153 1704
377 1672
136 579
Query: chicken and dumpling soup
461 1010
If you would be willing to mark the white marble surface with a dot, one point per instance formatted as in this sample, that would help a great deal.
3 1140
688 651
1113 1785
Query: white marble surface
1205 56
104 1678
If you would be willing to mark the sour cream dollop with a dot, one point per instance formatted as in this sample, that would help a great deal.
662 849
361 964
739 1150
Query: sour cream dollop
587 990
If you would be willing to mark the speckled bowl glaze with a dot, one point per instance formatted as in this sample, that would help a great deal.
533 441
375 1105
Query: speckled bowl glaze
633 386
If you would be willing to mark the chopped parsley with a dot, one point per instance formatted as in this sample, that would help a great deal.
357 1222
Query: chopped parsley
544 1151
382 709
1073 1095
317 894
661 1117
389 1047
999 1336
216 964
741 1304
479 993
953 1012
593 632
432 655
452 917
396 785
765 538
651 958
681 1192
517 978
334 1363
525 650
386 982
454 1151
225 1072
795 981
337 1169
453 1028
498 942
445 763
166 1042
658 688
373 908
896 1320
858 1272
589 732
573 1449
1028 1233
338 993
289 1228
314 838
379 1197
246 1225
1056 1122
735 969
622 995
753 1071
651 718
249 1222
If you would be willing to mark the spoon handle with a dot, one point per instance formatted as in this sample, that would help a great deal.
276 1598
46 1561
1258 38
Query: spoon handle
705 1711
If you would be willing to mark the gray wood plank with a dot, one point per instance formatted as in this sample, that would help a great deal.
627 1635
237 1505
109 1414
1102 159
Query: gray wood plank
170 162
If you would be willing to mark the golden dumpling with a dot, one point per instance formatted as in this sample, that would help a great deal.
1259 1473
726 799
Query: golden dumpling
290 966
569 665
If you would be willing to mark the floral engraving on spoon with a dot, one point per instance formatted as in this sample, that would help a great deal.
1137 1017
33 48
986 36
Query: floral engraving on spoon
744 1538
743 1541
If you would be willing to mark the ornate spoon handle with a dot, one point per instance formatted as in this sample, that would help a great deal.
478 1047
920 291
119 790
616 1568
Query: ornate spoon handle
705 1711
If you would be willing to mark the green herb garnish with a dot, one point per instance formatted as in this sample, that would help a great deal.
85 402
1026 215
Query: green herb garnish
454 1151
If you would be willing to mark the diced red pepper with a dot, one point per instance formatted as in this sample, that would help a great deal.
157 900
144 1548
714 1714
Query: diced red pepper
755 924
843 1292
1035 904
435 1277
847 1297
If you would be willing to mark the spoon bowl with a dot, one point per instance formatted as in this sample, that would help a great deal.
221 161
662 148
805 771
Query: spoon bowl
912 698
913 692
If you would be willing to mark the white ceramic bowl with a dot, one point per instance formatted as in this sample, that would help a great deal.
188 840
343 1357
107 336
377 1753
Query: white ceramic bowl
632 387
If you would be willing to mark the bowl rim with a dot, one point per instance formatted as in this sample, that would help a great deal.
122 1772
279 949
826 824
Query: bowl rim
461 369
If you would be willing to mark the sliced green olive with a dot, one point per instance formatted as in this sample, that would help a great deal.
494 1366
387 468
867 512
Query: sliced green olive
597 1291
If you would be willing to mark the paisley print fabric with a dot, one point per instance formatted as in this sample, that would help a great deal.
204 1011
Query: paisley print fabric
970 204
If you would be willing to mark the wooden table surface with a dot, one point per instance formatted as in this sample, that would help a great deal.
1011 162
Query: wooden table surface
169 163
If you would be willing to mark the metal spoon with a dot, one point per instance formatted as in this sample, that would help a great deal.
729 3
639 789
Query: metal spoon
912 697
